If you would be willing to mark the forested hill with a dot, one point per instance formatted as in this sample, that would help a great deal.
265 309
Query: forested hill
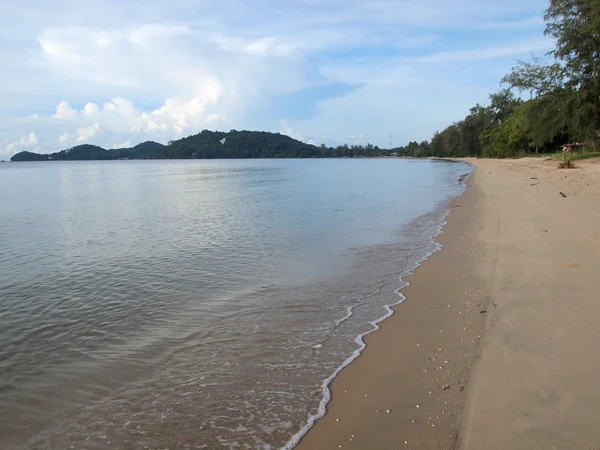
212 145
86 152
238 144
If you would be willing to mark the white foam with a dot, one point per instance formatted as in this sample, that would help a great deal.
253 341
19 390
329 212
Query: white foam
295 439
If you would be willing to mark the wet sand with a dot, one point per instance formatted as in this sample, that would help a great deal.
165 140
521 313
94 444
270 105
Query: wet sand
409 384
497 344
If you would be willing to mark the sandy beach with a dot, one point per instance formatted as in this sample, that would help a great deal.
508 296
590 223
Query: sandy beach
497 344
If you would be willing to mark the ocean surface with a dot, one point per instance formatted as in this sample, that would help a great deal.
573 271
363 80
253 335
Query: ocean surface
198 304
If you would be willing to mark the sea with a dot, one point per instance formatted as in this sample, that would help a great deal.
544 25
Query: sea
199 304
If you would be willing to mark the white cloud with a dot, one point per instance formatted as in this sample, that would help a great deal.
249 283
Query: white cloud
286 128
64 111
213 118
126 144
90 109
268 46
145 70
29 140
174 118
119 106
201 81
9 148
84 134
180 115
356 138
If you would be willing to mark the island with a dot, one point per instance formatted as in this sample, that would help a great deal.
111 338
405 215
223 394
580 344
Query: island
212 145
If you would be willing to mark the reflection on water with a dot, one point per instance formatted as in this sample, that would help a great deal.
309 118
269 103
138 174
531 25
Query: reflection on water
195 303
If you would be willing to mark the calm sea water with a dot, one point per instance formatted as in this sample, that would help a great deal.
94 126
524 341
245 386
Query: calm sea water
197 304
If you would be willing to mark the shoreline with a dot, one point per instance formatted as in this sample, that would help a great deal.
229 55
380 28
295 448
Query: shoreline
489 355
361 420
390 311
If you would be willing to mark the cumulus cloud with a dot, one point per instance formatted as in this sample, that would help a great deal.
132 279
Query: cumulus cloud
286 128
84 134
27 142
9 149
200 79
90 109
64 111
126 144
81 52
174 118
180 115
146 70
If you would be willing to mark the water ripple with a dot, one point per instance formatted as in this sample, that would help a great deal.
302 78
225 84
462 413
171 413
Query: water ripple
195 304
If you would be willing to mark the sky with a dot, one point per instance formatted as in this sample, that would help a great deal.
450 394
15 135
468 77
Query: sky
116 73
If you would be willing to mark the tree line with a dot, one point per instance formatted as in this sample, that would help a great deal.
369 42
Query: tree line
212 145
563 104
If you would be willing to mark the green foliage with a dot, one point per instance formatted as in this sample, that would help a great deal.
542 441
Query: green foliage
535 77
458 140
86 152
574 25
582 156
213 145
238 144
567 162
28 156
258 144
564 103
415 150
503 103
495 142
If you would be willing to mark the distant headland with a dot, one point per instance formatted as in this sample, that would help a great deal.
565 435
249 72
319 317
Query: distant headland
212 145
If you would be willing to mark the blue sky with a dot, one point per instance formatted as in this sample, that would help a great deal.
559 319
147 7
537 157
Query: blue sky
116 73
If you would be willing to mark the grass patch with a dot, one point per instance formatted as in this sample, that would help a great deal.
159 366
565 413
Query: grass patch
566 161
544 155
582 156
554 155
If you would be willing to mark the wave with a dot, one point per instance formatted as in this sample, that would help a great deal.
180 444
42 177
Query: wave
359 340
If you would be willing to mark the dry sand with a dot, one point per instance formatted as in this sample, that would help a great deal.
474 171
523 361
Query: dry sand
536 386
514 295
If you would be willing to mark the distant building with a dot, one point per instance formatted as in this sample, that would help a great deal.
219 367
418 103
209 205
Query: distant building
222 141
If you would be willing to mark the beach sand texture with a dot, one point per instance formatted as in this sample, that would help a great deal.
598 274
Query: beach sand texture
498 343
535 385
